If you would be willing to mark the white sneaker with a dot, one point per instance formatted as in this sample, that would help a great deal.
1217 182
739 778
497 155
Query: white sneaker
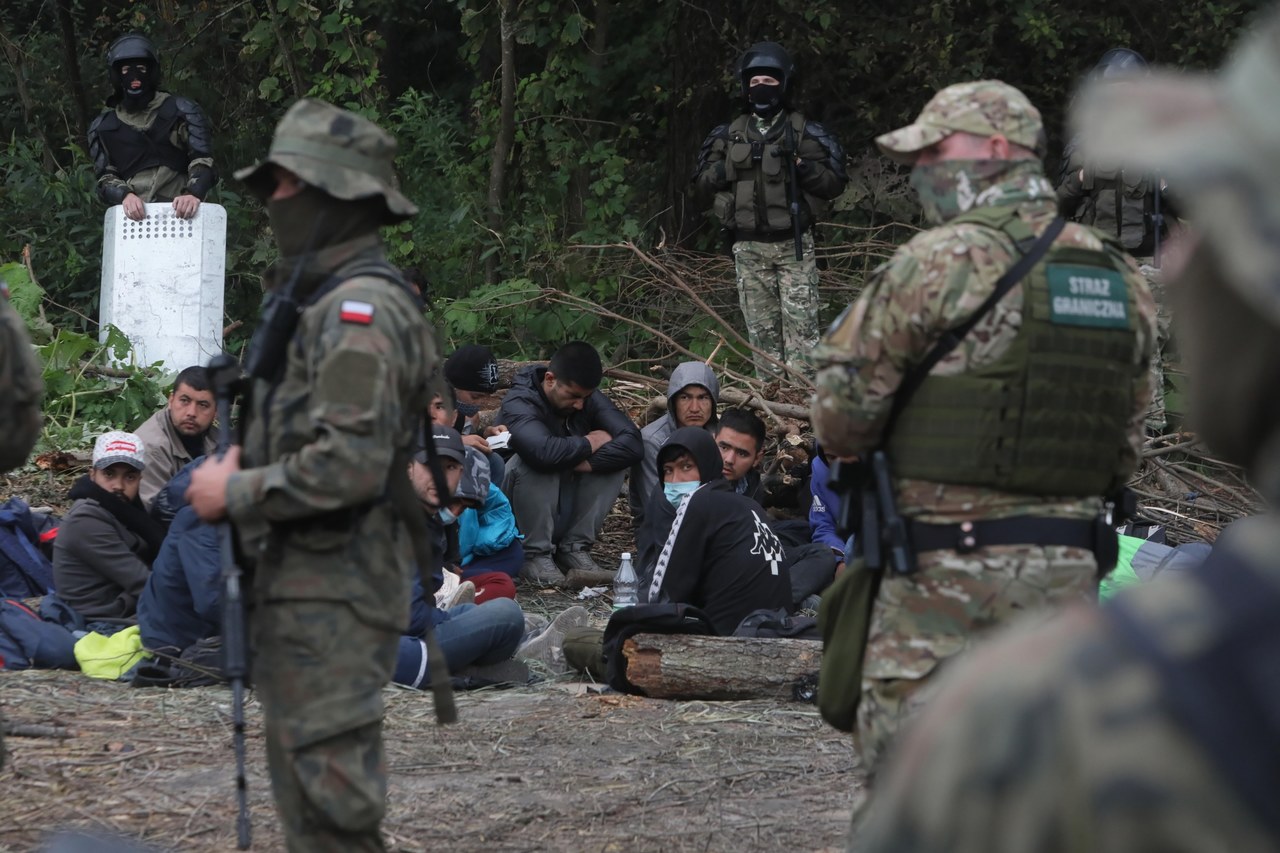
548 647
464 594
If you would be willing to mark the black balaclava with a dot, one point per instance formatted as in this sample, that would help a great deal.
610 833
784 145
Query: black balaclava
766 99
142 71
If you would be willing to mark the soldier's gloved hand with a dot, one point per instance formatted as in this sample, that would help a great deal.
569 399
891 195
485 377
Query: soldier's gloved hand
134 208
185 206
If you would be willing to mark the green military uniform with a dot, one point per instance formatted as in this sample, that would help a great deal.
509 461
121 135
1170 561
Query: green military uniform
1033 416
332 558
1151 724
744 174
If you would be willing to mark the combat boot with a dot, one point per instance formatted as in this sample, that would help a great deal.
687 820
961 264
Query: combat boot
542 570
582 571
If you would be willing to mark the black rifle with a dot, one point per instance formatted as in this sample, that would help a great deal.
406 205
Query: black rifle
893 527
866 493
793 189
224 374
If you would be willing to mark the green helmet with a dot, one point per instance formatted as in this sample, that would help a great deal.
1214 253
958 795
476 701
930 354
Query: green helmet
334 150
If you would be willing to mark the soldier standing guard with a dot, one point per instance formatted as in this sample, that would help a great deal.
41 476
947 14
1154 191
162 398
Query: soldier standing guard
765 175
1002 451
150 145
1152 723
325 438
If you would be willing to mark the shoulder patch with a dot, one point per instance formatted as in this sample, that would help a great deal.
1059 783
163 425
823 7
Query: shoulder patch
354 311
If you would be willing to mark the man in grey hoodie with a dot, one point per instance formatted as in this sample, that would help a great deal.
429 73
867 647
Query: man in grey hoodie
692 396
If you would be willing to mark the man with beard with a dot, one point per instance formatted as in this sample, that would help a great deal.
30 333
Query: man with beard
178 433
1000 443
150 145
106 544
318 502
1152 723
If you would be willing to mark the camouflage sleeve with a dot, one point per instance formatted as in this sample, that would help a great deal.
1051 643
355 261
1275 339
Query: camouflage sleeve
1144 350
21 388
906 306
356 409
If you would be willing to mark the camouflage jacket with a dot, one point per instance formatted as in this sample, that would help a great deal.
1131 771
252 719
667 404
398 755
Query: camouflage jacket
1059 738
933 283
311 503
21 388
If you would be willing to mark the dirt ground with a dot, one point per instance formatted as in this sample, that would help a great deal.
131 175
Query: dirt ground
558 765
555 766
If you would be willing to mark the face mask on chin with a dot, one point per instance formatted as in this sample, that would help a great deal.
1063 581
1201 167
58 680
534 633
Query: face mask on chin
447 517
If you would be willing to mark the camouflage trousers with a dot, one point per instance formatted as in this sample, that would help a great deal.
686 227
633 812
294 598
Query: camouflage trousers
922 620
1157 420
779 299
319 673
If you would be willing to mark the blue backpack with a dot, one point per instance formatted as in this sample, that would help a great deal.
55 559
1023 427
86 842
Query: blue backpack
25 572
27 641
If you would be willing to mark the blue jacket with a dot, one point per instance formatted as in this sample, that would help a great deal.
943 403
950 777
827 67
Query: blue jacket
822 513
487 530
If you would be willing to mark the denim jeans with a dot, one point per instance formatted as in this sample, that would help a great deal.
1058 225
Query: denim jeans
472 634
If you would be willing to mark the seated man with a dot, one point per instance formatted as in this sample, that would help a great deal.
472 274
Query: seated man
709 546
740 437
177 433
107 542
181 603
469 634
572 450
692 395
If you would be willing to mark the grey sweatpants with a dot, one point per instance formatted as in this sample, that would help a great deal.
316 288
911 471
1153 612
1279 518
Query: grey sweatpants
561 510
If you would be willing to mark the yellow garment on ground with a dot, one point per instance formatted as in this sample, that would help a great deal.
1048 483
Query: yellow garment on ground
109 657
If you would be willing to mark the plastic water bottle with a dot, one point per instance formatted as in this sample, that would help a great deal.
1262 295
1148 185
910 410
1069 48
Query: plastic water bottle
625 583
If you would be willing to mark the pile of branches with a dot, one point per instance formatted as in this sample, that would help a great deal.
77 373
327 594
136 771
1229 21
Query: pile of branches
1181 485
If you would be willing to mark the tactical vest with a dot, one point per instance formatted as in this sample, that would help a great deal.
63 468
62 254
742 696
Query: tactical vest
1120 206
757 206
131 150
1051 416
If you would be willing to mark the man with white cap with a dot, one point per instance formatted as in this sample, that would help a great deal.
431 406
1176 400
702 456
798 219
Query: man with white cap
998 363
102 556
1154 722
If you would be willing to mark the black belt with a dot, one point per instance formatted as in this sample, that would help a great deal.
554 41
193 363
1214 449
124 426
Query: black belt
1022 530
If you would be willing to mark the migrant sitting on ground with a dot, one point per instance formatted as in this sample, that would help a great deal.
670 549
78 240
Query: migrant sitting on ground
445 411
469 635
178 433
106 544
693 393
572 450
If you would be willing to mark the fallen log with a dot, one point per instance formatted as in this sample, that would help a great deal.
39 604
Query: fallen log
681 666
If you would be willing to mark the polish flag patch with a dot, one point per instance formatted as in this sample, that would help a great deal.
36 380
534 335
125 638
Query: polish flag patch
356 312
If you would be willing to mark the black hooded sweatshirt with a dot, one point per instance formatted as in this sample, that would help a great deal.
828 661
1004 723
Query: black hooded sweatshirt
716 551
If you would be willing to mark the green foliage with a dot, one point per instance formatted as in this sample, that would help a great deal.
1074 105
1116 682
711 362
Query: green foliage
86 393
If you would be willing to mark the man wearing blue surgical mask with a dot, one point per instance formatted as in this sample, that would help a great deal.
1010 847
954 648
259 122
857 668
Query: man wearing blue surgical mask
705 545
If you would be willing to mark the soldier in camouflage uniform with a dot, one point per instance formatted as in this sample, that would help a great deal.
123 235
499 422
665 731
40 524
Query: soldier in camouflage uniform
1034 415
1150 724
21 391
744 174
331 592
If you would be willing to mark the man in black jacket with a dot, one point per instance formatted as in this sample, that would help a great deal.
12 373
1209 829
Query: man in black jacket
572 449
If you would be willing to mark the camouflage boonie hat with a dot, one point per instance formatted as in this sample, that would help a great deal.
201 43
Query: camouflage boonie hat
983 108
335 150
1215 139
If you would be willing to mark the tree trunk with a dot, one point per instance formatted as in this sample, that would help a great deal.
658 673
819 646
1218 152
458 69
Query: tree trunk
13 54
691 667
71 59
506 135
